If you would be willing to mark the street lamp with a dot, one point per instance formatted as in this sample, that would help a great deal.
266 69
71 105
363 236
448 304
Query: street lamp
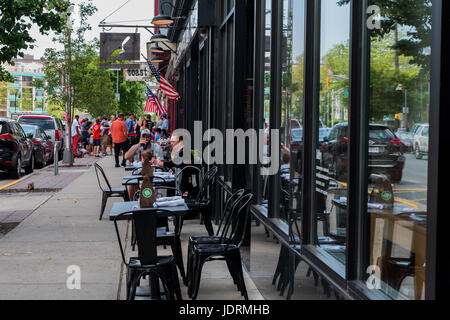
164 19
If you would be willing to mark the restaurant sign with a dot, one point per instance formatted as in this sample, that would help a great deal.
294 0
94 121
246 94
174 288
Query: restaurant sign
120 46
139 73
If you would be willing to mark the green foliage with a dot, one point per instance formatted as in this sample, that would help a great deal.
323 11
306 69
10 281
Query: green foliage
27 100
91 88
416 14
3 93
16 19
132 97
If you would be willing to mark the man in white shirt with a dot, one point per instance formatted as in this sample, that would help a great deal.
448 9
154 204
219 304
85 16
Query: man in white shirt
75 135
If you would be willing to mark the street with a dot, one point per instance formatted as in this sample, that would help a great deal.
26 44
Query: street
412 191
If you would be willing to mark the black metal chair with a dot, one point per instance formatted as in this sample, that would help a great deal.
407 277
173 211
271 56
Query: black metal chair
148 263
107 191
226 214
227 249
203 203
184 180
166 237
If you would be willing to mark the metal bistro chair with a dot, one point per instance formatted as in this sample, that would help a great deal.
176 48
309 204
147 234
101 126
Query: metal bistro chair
148 263
228 249
108 192
220 234
166 237
203 203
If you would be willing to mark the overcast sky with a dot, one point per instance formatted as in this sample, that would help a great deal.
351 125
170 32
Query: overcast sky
133 10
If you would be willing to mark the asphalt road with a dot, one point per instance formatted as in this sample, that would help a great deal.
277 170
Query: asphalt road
414 186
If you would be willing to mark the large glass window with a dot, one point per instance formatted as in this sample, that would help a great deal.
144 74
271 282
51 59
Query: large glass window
332 134
267 94
398 147
292 58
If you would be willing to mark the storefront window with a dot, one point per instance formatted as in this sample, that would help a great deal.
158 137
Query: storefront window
292 58
332 133
398 148
267 95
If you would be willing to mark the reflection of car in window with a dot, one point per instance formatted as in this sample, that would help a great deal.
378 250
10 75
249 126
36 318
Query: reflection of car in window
421 141
385 152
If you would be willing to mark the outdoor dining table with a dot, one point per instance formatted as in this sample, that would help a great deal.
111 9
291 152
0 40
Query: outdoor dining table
137 179
121 207
128 207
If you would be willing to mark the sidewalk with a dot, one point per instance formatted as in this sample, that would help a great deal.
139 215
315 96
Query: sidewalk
64 230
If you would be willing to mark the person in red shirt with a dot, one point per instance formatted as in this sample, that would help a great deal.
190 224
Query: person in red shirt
96 136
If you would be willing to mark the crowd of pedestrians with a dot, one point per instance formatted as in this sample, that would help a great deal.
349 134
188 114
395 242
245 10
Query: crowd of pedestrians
102 134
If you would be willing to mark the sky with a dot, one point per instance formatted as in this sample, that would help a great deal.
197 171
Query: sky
133 10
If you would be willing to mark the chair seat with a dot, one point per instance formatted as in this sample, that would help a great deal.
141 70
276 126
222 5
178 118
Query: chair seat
162 261
214 248
206 240
116 191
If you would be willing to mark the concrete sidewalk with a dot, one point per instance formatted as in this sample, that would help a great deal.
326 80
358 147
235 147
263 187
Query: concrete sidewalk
65 231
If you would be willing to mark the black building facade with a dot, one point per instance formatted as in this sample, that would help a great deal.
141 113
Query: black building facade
352 94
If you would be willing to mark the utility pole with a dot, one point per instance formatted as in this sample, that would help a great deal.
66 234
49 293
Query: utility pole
68 153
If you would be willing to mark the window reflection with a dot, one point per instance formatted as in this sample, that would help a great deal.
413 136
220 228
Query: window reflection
292 111
267 82
332 136
398 145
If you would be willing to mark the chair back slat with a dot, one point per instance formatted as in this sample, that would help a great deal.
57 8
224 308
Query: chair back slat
227 212
207 183
239 220
101 175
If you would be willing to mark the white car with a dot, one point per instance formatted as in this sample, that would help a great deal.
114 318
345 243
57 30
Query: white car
52 126
421 141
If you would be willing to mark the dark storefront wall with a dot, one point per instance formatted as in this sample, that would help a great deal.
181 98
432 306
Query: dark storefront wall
364 207
318 66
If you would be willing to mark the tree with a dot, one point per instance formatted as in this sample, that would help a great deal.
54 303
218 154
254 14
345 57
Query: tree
132 97
3 94
27 99
416 16
16 19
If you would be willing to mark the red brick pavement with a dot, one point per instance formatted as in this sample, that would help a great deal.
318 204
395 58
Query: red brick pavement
46 181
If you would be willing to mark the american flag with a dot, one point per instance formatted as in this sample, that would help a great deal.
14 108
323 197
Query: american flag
164 85
153 104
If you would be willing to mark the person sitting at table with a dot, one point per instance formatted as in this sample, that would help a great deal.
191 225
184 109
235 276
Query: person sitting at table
135 153
186 184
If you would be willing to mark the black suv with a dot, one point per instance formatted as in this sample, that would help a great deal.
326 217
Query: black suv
16 150
385 152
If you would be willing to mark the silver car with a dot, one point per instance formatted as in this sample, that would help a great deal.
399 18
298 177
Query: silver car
421 141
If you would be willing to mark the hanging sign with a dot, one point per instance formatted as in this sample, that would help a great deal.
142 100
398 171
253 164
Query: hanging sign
140 74
120 46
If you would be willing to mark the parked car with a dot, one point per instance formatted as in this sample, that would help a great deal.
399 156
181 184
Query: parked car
52 126
421 141
416 127
43 146
16 150
385 152
407 138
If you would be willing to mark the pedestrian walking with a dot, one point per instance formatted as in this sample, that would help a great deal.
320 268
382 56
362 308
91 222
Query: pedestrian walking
75 135
119 135
96 136
106 138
